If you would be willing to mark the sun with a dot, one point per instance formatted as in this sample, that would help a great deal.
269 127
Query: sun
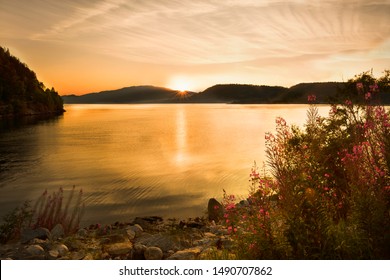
179 84
182 87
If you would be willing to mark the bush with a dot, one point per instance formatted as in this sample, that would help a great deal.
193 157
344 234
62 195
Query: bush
325 190
14 222
48 211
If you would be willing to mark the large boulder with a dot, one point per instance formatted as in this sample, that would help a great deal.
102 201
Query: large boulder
57 232
29 234
214 210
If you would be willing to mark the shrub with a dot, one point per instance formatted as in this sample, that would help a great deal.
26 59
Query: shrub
48 211
14 222
324 193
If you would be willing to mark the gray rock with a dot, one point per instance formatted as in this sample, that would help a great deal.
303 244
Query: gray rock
205 242
153 253
119 248
138 251
105 256
138 230
37 241
214 210
53 254
148 222
130 233
188 254
79 255
30 234
82 232
62 249
88 256
139 248
114 238
164 242
35 250
57 232
75 245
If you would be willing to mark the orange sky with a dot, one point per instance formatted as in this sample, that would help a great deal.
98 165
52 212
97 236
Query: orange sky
86 46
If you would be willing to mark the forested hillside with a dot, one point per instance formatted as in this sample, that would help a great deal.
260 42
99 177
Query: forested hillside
20 91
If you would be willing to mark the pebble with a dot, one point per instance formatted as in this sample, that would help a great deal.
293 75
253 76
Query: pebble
35 250
62 250
188 254
153 253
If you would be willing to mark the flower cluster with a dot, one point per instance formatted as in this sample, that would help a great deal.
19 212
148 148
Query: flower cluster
324 192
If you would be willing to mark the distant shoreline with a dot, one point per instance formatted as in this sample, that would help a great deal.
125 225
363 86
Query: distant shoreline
326 93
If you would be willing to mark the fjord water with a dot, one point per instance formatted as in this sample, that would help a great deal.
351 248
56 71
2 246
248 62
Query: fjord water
139 160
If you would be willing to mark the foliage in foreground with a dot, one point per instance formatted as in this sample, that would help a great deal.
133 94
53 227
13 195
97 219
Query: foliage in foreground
324 192
48 211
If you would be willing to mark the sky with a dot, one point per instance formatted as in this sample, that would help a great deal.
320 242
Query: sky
83 46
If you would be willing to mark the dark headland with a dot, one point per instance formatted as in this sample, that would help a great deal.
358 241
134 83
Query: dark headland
21 93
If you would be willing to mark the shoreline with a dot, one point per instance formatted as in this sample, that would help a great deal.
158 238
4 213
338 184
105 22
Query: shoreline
145 238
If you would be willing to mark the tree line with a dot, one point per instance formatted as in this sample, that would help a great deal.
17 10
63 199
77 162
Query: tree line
21 93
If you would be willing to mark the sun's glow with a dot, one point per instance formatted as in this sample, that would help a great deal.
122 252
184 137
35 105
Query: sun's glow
180 84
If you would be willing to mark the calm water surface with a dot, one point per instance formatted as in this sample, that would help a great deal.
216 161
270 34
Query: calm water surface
137 160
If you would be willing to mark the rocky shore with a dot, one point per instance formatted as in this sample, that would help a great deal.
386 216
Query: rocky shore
145 238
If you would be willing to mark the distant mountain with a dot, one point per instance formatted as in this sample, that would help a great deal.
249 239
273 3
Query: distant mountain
237 93
20 91
135 94
225 93
324 92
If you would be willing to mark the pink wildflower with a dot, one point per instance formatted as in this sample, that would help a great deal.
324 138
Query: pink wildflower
230 206
359 86
231 229
374 87
281 121
348 102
